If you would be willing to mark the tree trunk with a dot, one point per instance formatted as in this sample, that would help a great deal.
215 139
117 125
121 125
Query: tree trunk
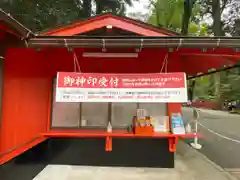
191 87
237 24
186 18
216 14
188 5
99 7
87 8
217 30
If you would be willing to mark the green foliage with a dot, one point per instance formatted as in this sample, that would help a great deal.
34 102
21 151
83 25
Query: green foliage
198 29
41 15
230 86
116 6
167 13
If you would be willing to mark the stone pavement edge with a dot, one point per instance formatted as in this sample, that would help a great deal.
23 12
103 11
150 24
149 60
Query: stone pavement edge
196 161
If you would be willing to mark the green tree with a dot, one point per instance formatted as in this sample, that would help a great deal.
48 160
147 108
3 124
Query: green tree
224 14
188 9
177 15
87 8
229 85
116 6
40 15
170 14
167 14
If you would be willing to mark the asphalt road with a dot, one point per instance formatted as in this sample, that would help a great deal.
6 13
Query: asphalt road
221 151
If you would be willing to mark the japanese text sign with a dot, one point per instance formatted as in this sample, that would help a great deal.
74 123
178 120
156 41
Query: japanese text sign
83 87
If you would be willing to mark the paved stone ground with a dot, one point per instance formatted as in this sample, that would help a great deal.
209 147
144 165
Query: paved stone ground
53 172
190 165
235 172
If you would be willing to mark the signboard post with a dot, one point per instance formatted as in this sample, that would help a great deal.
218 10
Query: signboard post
81 87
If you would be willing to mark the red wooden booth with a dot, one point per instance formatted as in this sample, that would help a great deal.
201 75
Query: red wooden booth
102 44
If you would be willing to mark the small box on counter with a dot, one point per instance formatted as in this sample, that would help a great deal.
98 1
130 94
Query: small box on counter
141 113
142 125
160 123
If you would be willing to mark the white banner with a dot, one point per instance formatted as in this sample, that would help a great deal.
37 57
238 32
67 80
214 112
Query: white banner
76 87
121 95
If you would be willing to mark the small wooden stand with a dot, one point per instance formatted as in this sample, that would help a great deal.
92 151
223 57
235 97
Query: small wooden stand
146 129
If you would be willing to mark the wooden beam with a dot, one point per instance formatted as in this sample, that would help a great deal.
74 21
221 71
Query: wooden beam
212 55
212 72
134 42
16 27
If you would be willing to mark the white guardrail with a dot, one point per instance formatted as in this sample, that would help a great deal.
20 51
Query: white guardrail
195 121
196 117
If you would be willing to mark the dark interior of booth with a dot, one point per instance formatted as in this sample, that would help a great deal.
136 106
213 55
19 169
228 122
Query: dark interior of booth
108 32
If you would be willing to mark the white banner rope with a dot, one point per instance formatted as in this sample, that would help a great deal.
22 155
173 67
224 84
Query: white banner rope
196 114
195 120
218 134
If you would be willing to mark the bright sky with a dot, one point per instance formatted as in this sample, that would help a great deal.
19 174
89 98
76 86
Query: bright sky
140 6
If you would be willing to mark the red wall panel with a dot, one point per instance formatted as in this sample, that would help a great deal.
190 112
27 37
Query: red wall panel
25 99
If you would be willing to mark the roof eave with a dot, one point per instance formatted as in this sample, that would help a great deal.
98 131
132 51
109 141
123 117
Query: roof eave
110 15
135 42
15 26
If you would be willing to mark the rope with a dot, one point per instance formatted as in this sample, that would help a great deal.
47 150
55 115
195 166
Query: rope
26 43
66 44
220 135
76 63
141 45
164 64
218 42
27 35
180 44
104 45
197 115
